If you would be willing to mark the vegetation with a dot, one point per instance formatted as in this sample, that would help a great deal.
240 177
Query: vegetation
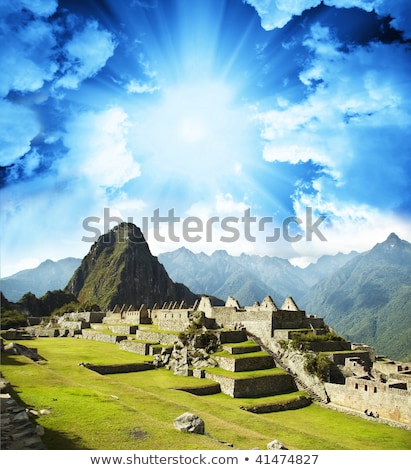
317 364
137 410
53 303
300 339
246 374
368 300
194 333
12 319
11 315
242 355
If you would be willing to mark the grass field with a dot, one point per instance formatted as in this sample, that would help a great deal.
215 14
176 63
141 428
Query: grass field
136 410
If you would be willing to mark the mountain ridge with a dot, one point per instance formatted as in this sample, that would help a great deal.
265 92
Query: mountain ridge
369 298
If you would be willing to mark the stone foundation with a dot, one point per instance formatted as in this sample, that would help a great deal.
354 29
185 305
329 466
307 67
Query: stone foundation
254 386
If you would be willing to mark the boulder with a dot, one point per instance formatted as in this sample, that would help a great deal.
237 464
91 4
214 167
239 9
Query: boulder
189 422
276 445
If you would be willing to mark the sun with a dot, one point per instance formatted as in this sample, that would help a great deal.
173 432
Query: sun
195 127
197 112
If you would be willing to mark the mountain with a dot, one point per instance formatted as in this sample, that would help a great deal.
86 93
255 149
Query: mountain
368 300
120 269
325 266
247 277
218 274
48 276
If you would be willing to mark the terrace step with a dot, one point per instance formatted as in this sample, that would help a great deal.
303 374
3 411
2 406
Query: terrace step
232 336
245 362
258 385
240 348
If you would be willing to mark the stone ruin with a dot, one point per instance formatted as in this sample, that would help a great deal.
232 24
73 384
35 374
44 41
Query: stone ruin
356 380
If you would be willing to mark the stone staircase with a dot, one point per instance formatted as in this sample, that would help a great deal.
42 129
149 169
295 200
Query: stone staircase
301 385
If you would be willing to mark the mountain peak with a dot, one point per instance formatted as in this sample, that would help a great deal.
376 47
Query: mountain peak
120 269
126 231
393 238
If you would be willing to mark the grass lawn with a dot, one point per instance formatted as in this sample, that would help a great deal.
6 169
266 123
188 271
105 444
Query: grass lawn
137 410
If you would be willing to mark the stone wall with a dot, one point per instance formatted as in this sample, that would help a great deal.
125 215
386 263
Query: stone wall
201 391
137 347
300 402
73 325
89 317
119 368
174 320
123 329
255 386
156 337
323 346
105 337
361 394
391 367
240 364
40 332
339 358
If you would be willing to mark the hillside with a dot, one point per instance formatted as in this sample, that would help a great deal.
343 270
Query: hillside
48 276
120 269
369 299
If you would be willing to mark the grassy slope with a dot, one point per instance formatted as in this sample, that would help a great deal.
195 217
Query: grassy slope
84 414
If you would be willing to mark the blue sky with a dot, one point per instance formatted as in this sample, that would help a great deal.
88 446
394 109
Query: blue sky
209 108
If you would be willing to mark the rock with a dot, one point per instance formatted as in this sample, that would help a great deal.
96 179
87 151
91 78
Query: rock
20 350
189 422
276 445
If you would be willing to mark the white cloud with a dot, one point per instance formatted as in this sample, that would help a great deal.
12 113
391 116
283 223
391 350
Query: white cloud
26 56
277 13
135 86
347 227
365 88
87 53
40 7
98 149
18 126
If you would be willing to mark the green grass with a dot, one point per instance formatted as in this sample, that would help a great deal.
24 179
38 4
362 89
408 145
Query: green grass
241 355
86 415
245 374
247 343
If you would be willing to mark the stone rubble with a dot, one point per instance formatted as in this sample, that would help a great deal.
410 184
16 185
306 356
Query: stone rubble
18 431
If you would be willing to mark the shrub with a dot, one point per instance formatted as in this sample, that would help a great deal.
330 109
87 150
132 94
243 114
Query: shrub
317 364
12 319
299 339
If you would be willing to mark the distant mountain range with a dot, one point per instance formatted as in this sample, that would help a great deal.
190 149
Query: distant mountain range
248 277
48 276
365 297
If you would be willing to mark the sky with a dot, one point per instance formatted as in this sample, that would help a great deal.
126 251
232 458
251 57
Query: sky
268 127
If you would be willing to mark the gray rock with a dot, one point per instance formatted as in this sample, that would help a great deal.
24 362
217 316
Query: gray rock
276 445
189 422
